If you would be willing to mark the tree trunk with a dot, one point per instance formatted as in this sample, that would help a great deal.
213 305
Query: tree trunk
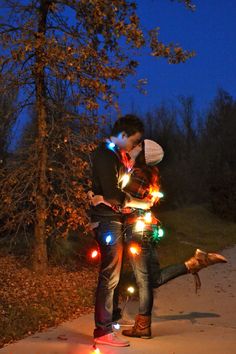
40 258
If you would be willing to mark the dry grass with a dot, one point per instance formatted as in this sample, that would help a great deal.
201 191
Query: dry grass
191 228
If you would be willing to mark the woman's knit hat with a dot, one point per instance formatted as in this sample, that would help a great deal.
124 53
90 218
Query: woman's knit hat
153 152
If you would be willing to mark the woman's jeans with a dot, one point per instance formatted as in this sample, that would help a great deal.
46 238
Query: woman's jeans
147 271
109 236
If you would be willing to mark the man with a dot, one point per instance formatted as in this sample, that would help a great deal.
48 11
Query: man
107 171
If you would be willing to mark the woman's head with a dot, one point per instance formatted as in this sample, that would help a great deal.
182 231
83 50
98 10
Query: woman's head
153 152
147 153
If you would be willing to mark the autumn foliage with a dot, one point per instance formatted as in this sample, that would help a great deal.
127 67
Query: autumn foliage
83 46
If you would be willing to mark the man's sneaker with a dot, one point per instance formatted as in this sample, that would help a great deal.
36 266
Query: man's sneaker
111 339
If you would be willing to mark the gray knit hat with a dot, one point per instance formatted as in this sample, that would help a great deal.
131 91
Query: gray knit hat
153 152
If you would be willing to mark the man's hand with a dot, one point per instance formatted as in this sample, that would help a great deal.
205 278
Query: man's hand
95 200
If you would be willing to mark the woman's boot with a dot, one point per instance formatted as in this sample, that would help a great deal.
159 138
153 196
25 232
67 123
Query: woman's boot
141 328
201 260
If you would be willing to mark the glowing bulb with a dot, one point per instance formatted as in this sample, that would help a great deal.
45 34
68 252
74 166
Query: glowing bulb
125 179
160 194
108 239
139 226
155 194
160 232
111 145
116 326
94 254
96 351
148 217
130 289
135 249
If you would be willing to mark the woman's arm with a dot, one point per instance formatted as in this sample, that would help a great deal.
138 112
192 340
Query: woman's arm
131 202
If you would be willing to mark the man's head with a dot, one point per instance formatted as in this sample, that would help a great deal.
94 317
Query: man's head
127 132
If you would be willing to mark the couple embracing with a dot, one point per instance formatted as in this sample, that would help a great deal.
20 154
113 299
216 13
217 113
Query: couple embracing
123 174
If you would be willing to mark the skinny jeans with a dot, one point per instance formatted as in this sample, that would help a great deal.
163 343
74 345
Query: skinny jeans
109 275
148 273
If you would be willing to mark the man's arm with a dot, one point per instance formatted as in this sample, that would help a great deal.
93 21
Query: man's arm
106 168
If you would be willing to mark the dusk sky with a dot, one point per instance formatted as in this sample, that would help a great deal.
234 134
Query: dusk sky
210 31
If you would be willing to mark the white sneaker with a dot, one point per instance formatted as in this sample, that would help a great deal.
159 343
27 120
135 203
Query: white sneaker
111 339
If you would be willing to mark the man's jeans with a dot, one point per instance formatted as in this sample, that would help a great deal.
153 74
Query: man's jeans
109 236
147 272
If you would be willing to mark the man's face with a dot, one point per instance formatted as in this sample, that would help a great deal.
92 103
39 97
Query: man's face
129 142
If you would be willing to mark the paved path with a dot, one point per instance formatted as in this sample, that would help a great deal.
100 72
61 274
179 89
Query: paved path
183 322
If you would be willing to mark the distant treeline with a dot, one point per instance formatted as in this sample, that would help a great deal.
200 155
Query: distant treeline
200 153
199 165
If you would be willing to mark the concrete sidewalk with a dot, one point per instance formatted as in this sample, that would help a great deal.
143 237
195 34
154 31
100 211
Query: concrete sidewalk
183 322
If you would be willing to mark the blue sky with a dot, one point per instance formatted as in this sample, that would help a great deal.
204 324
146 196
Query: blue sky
210 31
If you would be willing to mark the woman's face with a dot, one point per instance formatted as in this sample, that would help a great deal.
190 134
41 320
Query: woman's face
133 153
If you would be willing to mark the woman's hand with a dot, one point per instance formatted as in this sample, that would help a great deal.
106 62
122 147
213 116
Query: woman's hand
144 204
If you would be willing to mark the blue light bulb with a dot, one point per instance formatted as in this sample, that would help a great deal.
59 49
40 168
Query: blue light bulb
108 239
111 145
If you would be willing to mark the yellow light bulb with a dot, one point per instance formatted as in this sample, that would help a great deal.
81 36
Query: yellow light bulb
140 225
155 194
133 250
130 289
124 180
148 217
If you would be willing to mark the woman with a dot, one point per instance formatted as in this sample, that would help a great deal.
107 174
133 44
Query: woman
141 234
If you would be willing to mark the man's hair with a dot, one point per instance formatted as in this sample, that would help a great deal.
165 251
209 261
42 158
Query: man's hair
130 124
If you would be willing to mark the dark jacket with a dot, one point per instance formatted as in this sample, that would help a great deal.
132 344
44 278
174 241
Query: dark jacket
107 169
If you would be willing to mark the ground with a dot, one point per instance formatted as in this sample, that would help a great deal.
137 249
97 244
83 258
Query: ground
183 322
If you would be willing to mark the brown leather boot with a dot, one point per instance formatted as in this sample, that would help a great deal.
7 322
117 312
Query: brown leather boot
201 260
141 328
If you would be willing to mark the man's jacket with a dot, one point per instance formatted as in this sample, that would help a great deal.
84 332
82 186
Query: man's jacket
107 171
